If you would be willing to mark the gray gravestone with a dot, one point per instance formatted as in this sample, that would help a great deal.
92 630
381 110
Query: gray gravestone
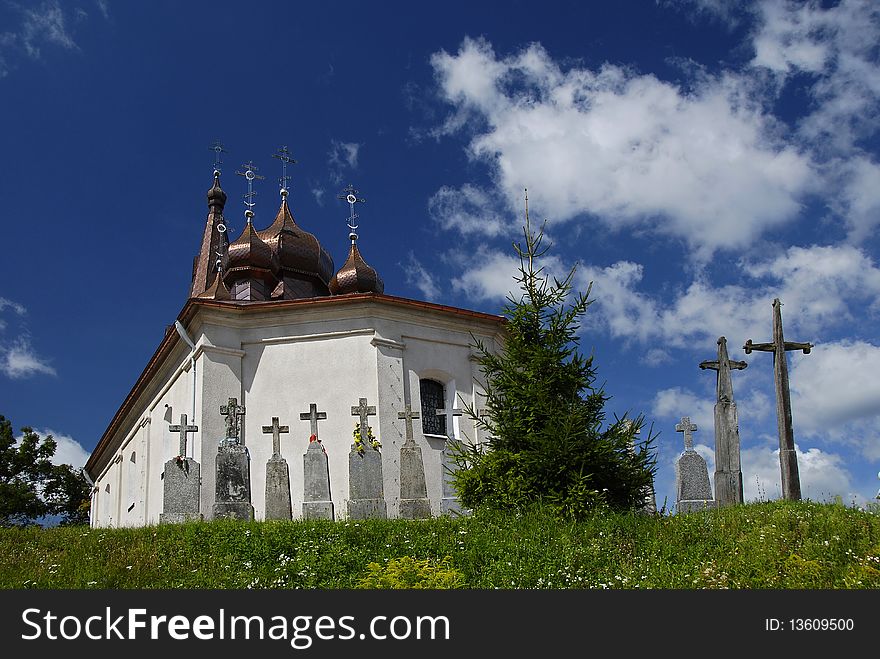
277 476
693 491
316 483
728 467
366 495
414 502
181 483
791 481
232 494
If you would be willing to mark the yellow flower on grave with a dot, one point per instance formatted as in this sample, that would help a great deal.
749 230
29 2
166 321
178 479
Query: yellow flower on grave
359 440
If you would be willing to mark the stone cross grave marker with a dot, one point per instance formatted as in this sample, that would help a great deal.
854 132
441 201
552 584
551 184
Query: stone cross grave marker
728 467
278 504
181 482
233 413
365 481
693 491
791 482
276 431
184 430
232 493
313 416
414 503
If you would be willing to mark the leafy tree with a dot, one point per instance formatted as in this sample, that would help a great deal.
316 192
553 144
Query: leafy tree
545 414
31 487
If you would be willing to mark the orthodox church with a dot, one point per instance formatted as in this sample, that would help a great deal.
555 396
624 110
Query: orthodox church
277 353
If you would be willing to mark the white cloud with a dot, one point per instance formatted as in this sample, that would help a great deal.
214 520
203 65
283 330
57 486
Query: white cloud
858 199
708 164
18 359
69 451
416 275
822 475
677 402
467 209
835 385
835 45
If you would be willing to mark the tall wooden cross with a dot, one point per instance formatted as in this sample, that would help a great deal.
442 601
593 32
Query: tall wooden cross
409 415
364 411
313 416
791 482
232 411
687 428
276 431
183 429
724 386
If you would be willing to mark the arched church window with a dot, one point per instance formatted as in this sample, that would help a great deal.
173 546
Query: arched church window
433 395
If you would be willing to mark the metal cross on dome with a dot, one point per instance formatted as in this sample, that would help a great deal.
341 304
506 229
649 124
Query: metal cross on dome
217 148
250 173
284 156
350 195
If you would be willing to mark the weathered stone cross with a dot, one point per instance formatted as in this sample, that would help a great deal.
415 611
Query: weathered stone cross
724 387
183 429
364 411
687 428
409 415
791 482
313 415
232 411
276 431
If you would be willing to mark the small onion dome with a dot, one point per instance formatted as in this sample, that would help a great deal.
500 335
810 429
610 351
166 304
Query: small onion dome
297 251
356 276
216 196
249 256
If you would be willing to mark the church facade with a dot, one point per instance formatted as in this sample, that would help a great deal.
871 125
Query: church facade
272 327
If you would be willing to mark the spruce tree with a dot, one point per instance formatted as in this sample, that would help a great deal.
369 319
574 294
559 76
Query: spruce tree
549 439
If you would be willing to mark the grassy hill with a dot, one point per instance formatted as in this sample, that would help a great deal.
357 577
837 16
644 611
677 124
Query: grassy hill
761 545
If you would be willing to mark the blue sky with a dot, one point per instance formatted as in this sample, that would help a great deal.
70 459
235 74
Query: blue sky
695 161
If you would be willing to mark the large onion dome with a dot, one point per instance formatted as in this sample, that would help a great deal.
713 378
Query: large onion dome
304 266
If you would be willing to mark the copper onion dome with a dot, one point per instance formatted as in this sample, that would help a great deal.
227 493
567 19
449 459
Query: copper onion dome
355 276
297 251
250 256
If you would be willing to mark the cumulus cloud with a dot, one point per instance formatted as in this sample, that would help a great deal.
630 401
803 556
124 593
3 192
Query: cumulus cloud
69 451
822 475
708 163
677 402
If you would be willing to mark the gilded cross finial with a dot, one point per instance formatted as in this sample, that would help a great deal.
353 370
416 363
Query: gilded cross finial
217 148
350 195
250 173
284 156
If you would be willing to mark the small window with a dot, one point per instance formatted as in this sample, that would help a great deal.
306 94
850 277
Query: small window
433 395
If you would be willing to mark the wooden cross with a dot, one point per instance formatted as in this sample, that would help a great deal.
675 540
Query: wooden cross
313 415
232 411
183 429
276 431
791 483
687 428
364 411
409 415
723 387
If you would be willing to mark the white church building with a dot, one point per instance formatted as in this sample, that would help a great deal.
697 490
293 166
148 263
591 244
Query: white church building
271 323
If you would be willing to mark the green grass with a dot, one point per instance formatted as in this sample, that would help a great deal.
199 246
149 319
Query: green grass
776 544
